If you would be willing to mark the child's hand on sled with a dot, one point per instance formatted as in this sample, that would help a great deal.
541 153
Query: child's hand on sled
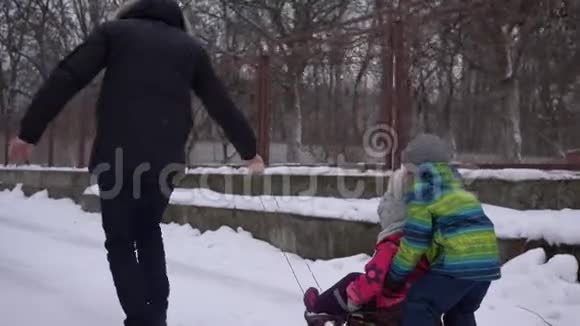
393 288
352 307
353 297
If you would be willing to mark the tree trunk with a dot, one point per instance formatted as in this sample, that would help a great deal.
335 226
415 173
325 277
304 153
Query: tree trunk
4 114
6 119
341 136
512 128
511 101
318 132
293 119
388 88
448 108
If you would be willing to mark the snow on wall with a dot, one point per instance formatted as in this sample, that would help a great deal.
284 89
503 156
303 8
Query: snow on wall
551 225
501 174
347 209
519 174
291 170
41 168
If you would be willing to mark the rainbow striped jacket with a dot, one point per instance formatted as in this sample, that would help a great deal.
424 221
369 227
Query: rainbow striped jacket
448 225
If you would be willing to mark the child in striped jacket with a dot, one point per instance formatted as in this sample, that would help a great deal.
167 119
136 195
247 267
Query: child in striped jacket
447 224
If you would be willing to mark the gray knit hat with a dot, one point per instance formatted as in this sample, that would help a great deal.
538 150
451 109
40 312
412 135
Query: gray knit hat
426 148
392 210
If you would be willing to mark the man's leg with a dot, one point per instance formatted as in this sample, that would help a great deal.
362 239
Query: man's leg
117 213
431 297
463 313
150 249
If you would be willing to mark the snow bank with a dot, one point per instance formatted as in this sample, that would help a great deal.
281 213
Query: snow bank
553 226
217 278
533 285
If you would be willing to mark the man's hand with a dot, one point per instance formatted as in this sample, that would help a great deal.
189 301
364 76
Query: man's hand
256 165
20 150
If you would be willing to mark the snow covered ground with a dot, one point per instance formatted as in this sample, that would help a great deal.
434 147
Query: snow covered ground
53 271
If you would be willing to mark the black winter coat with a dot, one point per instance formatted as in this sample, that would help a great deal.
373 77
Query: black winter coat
144 109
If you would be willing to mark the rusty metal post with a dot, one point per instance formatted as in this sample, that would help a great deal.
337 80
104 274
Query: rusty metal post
264 107
406 107
389 90
397 40
403 112
6 142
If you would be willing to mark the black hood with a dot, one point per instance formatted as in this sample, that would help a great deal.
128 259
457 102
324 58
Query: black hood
167 11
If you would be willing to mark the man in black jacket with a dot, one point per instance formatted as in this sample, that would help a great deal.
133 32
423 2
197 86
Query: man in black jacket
143 121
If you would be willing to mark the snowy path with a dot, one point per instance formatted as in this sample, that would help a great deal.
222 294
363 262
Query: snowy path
53 271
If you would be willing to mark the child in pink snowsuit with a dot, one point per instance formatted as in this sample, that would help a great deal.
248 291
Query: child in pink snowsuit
364 291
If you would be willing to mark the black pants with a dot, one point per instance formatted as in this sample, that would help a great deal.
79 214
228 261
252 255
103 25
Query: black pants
131 216
434 295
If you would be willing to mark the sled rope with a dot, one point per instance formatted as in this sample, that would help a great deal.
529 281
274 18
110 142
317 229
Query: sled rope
283 252
535 314
313 276
294 273
307 265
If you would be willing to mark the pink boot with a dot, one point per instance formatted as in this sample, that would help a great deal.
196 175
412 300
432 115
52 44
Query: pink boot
310 298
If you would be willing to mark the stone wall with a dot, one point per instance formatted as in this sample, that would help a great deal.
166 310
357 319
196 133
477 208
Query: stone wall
310 237
59 184
528 194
